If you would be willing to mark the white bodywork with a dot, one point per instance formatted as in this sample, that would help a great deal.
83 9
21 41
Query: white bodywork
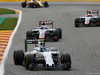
47 55
48 58
87 19
42 31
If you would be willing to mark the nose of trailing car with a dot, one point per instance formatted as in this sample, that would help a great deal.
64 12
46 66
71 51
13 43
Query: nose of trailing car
87 20
42 34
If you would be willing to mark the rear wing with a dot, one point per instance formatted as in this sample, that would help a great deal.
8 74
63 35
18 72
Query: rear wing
93 12
40 42
46 23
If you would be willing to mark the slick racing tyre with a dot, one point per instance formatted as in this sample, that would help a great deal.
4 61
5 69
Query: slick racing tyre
60 32
18 57
23 4
66 60
77 22
98 21
47 34
55 35
29 34
46 4
92 22
30 62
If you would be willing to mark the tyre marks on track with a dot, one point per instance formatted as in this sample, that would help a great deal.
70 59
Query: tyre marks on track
4 38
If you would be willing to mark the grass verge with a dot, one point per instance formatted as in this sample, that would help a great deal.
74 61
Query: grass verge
6 11
8 24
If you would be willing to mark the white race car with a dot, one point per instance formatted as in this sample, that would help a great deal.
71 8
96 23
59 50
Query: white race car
45 32
48 57
91 19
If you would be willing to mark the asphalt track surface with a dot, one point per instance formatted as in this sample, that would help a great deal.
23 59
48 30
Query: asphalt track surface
83 44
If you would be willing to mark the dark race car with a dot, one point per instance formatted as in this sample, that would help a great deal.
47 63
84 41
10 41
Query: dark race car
45 32
90 20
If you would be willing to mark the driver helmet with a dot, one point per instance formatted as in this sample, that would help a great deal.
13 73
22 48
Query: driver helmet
90 15
44 27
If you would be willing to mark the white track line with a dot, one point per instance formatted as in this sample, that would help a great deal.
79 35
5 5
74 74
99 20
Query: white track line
9 44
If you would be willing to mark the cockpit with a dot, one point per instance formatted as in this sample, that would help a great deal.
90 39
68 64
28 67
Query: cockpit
44 27
43 49
89 15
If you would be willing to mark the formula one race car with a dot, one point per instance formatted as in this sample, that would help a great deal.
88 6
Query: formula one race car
40 55
34 4
45 32
91 19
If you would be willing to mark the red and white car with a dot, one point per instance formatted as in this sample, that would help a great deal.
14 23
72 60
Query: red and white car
44 31
90 20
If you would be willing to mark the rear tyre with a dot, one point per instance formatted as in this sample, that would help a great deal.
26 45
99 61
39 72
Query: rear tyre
55 36
29 34
60 32
18 57
23 4
66 60
30 62
46 4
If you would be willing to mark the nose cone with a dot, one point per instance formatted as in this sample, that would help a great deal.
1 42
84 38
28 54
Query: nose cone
48 59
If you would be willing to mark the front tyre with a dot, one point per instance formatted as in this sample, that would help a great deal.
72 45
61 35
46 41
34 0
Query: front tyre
98 22
66 61
18 56
77 22
29 35
29 62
